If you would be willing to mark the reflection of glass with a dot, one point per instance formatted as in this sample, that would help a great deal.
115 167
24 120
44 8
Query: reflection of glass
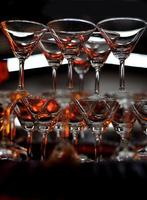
9 150
81 65
23 37
98 51
52 53
70 34
122 34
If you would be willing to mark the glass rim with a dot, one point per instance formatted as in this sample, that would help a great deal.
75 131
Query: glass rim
26 21
122 18
72 20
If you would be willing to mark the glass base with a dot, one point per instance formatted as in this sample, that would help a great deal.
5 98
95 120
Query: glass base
142 154
85 159
12 152
124 154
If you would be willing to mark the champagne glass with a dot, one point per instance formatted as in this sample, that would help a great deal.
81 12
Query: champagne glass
23 37
122 35
70 34
81 65
52 53
98 51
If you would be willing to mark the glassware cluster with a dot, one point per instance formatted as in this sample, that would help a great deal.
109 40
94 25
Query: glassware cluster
72 125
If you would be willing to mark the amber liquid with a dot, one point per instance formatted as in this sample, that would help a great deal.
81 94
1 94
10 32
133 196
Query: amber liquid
36 108
81 65
71 43
122 50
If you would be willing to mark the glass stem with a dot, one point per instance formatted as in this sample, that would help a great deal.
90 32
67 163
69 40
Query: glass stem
122 75
70 73
81 77
124 143
43 146
29 144
97 80
54 73
21 74
97 135
97 144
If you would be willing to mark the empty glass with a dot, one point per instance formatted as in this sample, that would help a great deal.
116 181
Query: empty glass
98 51
122 34
23 37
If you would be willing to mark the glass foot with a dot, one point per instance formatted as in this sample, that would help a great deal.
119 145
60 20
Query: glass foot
85 159
12 152
124 154
142 153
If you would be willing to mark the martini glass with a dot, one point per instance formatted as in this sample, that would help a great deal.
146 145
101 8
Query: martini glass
122 34
98 51
37 113
52 53
23 37
98 112
70 34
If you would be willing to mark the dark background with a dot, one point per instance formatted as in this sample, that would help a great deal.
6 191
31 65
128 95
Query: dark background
44 10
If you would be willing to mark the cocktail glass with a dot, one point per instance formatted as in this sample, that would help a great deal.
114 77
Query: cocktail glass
122 34
37 113
23 37
98 51
98 113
